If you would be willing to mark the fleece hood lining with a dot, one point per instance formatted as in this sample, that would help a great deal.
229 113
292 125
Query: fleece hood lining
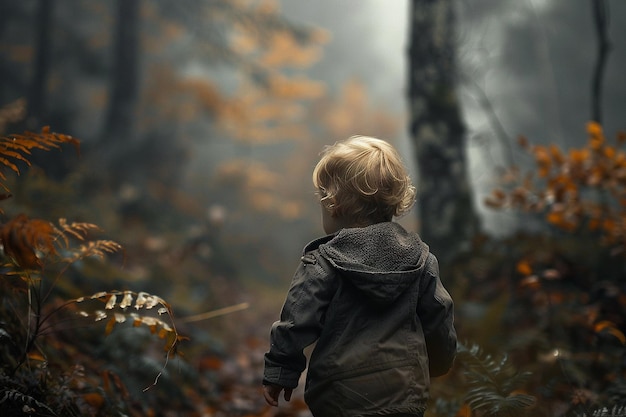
381 260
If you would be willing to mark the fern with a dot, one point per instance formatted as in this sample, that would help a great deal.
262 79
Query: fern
26 241
616 411
16 148
117 304
37 256
493 383
34 246
12 399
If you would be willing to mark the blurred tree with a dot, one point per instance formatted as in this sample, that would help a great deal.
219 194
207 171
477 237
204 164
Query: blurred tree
207 69
601 21
37 94
447 216
124 88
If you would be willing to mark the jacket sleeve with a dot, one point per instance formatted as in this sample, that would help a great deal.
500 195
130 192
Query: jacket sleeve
436 313
300 323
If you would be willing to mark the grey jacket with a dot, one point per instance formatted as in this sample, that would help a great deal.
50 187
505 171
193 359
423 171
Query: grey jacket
372 300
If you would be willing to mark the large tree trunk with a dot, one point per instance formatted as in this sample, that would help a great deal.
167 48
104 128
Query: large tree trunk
448 219
119 122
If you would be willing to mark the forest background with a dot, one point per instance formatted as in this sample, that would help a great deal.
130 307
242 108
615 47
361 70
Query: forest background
198 124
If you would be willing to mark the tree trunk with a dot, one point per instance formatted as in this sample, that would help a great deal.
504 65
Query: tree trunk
448 219
38 89
601 21
119 127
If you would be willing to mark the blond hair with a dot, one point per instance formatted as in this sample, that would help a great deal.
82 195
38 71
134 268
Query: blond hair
363 178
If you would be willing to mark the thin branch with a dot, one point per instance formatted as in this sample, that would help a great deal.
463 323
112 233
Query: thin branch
215 313
496 125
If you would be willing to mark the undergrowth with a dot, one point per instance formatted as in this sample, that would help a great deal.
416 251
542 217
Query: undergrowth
41 374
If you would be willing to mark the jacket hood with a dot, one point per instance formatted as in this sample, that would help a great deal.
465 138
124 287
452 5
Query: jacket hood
381 260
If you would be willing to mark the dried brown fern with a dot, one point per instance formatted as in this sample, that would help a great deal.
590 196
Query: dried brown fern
22 237
130 300
118 309
37 254
16 149
33 246
27 241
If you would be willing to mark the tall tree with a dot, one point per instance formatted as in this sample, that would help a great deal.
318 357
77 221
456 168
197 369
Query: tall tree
37 94
601 21
447 215
119 126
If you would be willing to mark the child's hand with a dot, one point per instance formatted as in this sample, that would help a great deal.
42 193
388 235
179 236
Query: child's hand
272 393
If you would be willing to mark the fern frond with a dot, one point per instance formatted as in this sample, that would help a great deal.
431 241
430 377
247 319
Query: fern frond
16 148
494 384
44 140
96 248
22 237
495 404
616 411
78 230
616 393
117 312
16 400
24 240
483 366
116 309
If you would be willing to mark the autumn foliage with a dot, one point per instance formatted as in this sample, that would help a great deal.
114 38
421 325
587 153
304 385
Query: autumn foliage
36 257
550 299
579 188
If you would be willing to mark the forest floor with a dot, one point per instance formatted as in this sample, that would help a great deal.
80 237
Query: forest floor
244 336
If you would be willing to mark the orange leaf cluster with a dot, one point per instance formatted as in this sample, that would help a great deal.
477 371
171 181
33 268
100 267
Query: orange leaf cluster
17 148
22 237
27 241
584 187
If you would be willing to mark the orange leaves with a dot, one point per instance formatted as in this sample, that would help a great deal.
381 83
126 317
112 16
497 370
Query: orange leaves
532 279
94 399
581 187
523 267
27 240
295 87
27 141
17 148
606 326
268 105
285 50
22 237
596 137
272 113
352 110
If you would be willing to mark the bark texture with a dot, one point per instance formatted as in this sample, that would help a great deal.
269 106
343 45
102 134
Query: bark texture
448 219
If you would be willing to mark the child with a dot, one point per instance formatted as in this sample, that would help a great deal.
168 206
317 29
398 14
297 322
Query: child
368 293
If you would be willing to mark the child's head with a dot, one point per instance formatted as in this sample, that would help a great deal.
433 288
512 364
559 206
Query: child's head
364 180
